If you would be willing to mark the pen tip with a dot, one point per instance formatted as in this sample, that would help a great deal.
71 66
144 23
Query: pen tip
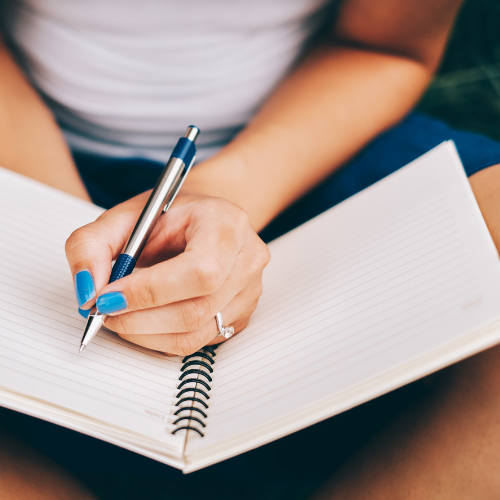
82 347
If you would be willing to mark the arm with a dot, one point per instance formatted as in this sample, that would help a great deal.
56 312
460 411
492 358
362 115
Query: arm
204 254
367 76
32 143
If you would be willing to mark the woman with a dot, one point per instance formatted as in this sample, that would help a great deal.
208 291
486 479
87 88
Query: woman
283 101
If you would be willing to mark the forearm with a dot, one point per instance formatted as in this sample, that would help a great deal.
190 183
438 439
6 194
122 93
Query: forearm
31 142
330 107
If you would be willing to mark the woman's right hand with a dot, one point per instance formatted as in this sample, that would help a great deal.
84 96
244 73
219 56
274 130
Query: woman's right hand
202 258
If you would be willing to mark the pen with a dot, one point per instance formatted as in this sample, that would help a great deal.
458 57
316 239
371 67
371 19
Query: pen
168 185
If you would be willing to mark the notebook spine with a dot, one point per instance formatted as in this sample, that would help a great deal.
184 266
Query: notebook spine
195 383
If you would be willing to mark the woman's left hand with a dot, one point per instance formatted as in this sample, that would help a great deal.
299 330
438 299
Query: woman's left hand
202 258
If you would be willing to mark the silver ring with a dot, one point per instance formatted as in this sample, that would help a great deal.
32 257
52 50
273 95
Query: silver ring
224 331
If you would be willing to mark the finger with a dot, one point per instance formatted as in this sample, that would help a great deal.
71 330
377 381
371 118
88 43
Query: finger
200 270
236 314
183 316
91 249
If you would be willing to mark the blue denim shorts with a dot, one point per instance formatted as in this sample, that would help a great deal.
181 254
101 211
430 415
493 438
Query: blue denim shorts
113 180
306 458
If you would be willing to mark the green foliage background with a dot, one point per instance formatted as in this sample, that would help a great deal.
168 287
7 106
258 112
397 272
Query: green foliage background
466 91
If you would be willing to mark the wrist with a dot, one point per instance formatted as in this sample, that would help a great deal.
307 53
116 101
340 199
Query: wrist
218 176
226 176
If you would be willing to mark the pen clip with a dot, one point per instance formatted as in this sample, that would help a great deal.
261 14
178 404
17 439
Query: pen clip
173 193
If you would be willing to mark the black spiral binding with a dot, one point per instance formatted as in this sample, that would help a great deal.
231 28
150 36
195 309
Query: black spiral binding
196 369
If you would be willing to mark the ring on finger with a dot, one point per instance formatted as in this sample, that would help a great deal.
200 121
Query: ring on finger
224 331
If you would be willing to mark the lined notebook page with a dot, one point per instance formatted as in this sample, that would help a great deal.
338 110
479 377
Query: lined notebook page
112 381
380 280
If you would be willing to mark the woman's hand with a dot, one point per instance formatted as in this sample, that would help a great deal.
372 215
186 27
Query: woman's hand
202 257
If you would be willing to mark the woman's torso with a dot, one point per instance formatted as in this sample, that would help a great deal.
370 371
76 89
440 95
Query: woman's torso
125 77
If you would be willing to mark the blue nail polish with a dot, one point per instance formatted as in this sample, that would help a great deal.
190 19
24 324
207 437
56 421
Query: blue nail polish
84 312
84 287
111 302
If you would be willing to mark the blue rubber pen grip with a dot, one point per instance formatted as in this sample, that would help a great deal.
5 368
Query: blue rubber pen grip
124 265
184 150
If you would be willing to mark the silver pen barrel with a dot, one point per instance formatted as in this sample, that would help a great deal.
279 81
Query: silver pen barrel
163 193
159 201
169 178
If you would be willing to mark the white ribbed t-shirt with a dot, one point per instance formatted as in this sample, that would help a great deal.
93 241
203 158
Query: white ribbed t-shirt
125 77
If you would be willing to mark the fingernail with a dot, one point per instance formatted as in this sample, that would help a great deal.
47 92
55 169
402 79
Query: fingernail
111 302
84 312
84 287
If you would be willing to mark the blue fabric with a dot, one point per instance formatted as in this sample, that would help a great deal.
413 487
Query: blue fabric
113 180
110 181
392 150
309 456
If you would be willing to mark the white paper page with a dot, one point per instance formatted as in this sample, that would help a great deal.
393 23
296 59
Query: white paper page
388 276
112 381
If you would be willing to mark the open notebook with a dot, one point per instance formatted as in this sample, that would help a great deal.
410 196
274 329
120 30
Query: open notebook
392 284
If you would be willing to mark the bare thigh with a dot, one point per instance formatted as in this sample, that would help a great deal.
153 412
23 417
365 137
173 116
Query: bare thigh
447 447
26 474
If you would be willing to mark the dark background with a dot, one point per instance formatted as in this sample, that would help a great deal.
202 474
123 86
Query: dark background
466 91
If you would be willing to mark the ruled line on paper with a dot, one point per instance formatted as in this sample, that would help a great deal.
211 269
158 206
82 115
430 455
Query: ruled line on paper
25 300
329 253
310 279
47 294
374 282
294 345
92 396
337 333
293 383
379 223
4 302
40 327
319 262
92 362
327 288
113 352
25 269
408 209
24 357
18 253
223 368
285 311
312 283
